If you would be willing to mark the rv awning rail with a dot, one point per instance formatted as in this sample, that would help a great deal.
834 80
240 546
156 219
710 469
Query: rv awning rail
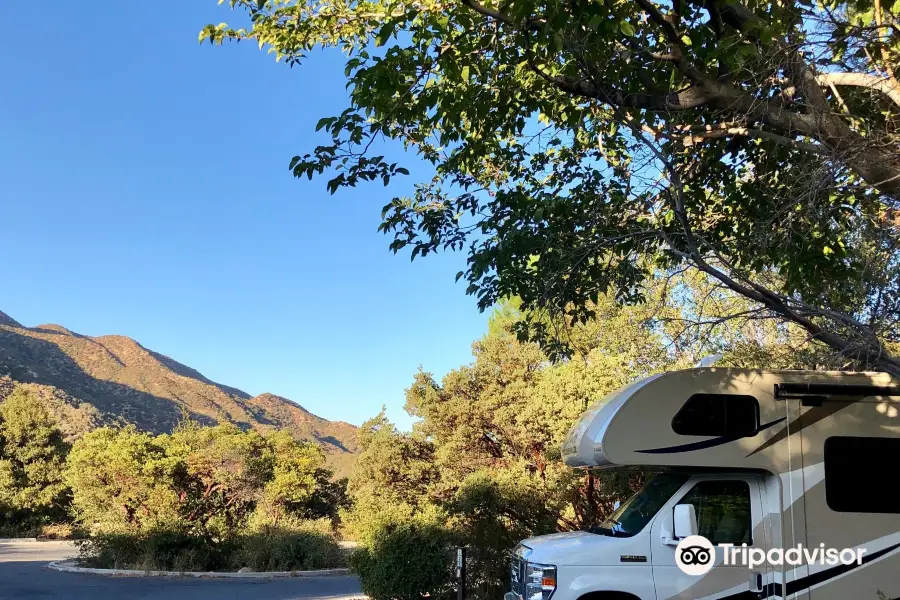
785 391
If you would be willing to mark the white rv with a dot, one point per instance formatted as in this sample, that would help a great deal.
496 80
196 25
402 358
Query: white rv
758 460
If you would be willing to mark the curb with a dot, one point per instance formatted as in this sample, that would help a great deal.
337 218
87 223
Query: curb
67 566
12 540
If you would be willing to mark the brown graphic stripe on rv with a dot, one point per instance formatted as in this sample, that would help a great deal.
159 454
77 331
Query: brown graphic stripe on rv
823 576
810 417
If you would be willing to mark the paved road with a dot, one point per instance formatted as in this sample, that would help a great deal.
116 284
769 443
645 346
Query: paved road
23 575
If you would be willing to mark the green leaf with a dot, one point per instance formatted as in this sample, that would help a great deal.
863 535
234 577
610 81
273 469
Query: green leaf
385 33
686 40
558 41
626 28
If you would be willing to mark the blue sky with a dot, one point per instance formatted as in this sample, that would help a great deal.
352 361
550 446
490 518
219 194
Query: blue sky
144 191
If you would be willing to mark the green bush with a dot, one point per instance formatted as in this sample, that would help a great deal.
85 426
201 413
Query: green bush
407 562
285 550
155 551
490 513
268 549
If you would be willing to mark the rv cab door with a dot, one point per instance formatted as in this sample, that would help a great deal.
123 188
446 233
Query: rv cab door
729 510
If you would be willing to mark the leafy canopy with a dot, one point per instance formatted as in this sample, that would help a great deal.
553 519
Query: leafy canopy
578 146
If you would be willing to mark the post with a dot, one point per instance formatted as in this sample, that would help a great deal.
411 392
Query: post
460 574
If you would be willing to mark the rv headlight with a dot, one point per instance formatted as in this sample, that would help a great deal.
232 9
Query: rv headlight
540 581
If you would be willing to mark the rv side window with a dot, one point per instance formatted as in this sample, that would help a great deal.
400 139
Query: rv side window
855 479
718 415
723 511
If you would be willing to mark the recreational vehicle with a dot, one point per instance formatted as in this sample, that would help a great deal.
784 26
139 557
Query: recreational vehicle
788 477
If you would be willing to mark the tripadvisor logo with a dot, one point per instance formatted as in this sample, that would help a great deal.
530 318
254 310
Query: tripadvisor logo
696 555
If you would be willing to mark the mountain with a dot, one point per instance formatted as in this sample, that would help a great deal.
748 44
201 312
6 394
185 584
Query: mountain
92 381
5 319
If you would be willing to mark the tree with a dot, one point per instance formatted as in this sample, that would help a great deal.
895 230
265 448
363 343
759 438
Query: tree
391 480
32 458
121 482
498 423
483 461
300 485
578 147
220 474
213 482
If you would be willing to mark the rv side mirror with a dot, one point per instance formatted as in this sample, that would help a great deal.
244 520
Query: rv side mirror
685 521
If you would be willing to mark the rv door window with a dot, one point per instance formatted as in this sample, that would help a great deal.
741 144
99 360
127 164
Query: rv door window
724 415
855 474
723 511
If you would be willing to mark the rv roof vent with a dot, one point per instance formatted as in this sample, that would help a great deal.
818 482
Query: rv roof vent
708 361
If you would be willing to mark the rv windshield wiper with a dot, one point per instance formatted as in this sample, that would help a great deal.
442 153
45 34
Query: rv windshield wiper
608 531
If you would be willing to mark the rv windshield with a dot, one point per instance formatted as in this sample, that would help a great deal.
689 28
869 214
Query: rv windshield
630 518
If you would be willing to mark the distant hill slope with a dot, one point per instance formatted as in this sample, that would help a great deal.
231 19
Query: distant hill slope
90 381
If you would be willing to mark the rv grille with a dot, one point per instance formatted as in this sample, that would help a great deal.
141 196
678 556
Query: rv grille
517 576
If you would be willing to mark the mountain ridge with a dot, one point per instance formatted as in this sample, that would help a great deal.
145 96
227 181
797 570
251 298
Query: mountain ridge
89 381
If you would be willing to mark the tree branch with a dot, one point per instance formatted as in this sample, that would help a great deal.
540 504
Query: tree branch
489 12
872 353
671 33
499 16
885 55
700 133
657 17
691 97
872 82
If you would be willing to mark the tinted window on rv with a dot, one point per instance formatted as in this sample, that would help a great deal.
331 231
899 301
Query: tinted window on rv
718 415
723 511
855 479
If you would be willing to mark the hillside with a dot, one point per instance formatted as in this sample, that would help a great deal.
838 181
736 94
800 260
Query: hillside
89 381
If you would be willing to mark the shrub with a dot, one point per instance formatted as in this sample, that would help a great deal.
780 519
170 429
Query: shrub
260 521
154 551
371 515
268 549
59 531
406 562
286 550
491 512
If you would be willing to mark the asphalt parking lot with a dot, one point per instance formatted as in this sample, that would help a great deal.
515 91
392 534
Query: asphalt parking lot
24 574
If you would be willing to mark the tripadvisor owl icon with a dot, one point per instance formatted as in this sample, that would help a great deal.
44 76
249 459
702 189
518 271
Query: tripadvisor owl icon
695 555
